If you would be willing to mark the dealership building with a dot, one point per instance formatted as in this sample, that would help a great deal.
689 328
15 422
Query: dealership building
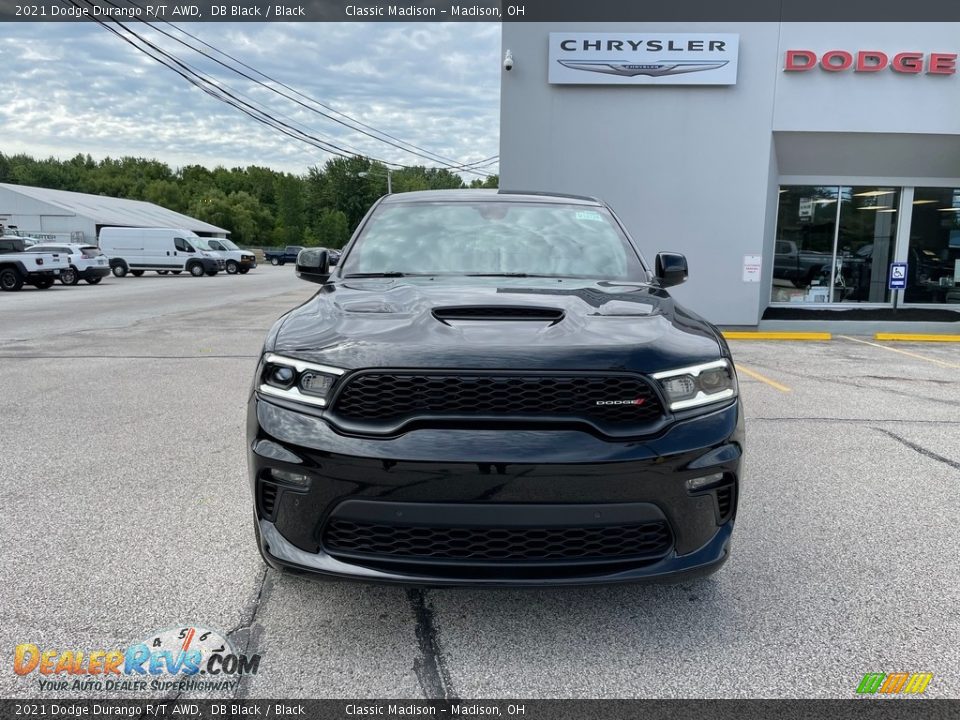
809 171
66 216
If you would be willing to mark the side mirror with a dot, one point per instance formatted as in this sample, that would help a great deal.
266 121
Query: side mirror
671 269
313 265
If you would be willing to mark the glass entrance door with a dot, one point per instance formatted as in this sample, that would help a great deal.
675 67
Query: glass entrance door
834 243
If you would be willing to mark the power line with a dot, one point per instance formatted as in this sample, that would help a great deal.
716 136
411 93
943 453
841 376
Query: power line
418 151
225 95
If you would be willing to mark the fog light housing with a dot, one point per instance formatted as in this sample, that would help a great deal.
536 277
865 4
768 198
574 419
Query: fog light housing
704 482
289 478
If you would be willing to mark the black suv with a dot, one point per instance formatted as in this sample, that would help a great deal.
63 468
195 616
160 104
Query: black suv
494 388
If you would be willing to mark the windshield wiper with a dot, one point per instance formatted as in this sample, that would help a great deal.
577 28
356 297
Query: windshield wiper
388 274
511 274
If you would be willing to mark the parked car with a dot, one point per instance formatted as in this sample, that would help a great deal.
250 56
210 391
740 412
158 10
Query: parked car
281 257
20 264
136 250
494 388
237 260
86 262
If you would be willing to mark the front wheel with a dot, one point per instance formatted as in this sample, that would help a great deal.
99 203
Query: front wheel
94 280
196 270
69 276
119 270
232 267
10 280
274 261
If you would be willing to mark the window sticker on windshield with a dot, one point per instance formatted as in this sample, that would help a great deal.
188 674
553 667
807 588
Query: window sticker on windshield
589 215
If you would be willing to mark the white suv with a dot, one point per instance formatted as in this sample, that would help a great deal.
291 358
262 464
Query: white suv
86 261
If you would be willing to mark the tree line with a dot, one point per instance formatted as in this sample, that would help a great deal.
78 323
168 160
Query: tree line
259 206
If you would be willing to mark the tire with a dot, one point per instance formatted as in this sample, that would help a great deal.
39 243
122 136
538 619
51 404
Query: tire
70 276
119 270
43 284
232 267
243 271
136 273
275 261
211 273
94 280
196 270
162 272
10 280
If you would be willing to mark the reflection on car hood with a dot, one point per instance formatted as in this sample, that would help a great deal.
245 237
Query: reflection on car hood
585 325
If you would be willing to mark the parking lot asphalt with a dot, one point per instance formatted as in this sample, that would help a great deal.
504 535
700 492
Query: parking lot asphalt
128 512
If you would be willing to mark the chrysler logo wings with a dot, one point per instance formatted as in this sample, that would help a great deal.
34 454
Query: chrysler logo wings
633 68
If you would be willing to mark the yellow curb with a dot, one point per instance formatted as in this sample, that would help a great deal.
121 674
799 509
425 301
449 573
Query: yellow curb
916 337
737 335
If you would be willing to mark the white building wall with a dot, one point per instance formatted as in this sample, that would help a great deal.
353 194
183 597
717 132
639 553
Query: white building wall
696 168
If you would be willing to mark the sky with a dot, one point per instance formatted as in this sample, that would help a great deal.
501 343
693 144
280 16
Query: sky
72 88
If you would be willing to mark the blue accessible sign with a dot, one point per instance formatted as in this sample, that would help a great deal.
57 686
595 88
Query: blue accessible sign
898 276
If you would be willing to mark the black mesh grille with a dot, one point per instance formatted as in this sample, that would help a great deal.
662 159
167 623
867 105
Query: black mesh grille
725 501
495 312
506 544
395 397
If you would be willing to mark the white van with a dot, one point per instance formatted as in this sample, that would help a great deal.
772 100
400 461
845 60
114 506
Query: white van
136 250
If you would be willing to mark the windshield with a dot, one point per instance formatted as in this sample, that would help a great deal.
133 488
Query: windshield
228 244
494 238
199 243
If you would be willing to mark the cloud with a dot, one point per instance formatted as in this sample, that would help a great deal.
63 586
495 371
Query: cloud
76 88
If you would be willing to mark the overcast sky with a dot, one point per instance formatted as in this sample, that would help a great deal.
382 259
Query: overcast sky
75 88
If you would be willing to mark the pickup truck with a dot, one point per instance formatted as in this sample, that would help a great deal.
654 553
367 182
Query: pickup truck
18 265
797 266
279 257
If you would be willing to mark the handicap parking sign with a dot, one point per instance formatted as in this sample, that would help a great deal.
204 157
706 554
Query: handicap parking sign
898 276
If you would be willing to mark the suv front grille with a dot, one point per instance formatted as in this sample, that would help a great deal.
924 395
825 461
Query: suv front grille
392 398
501 544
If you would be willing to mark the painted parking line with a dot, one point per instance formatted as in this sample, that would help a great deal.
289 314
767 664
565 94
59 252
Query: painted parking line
775 335
902 352
762 378
916 337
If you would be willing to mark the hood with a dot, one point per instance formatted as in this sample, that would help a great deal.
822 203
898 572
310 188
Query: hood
508 323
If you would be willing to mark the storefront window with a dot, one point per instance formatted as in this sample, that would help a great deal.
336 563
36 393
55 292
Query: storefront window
834 244
933 270
803 251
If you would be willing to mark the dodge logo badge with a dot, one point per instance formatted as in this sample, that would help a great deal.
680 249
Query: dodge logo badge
632 69
638 401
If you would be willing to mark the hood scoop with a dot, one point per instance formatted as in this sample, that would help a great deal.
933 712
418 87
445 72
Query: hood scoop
498 312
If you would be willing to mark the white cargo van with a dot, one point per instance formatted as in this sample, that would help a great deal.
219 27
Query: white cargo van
136 250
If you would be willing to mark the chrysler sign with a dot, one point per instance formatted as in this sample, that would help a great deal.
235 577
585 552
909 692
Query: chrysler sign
643 58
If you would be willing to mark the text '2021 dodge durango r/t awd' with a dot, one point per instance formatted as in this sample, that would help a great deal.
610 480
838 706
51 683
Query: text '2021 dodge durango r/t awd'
493 388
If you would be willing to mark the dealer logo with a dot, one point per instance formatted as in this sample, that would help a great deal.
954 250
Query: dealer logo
632 69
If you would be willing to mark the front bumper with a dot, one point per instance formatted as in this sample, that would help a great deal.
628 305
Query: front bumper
540 483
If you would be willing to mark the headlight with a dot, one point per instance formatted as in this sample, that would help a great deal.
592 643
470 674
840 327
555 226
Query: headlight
297 380
698 385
